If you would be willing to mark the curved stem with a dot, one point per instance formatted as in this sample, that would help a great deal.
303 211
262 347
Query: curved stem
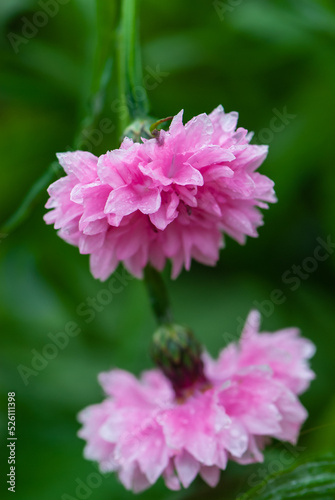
158 296
32 197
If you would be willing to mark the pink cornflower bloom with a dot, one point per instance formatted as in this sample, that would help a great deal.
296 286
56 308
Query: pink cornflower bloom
142 431
170 197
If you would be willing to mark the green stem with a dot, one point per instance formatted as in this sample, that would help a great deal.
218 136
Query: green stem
158 296
132 94
101 77
31 198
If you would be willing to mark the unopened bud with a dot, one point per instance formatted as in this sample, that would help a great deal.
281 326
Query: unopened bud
139 129
178 354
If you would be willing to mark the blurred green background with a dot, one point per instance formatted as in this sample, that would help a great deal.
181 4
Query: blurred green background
258 57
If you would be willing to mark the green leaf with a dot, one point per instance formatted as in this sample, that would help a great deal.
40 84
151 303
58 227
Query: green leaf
101 77
314 480
134 102
106 17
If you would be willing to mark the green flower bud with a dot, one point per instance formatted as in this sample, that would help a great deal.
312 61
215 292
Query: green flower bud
178 354
138 129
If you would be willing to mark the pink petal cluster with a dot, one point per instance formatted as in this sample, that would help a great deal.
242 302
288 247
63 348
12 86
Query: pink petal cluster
170 197
142 432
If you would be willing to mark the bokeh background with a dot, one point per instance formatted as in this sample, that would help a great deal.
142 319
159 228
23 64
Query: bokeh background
262 58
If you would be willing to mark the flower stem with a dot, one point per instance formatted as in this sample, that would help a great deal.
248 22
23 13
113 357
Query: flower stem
158 296
101 77
31 199
132 94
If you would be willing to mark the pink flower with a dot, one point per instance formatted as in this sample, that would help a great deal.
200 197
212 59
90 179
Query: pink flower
170 197
142 432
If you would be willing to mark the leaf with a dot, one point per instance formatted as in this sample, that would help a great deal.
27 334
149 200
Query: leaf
314 480
134 103
102 72
101 76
